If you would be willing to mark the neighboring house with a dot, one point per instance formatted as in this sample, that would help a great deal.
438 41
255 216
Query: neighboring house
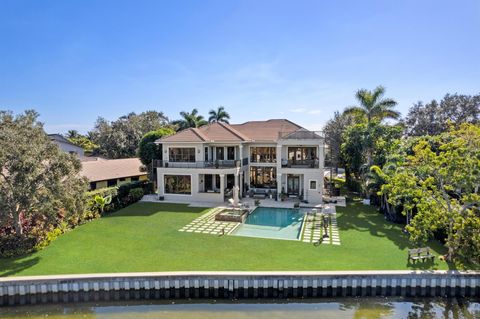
260 157
106 173
66 145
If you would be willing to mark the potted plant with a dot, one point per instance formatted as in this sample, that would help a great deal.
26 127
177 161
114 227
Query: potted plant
257 202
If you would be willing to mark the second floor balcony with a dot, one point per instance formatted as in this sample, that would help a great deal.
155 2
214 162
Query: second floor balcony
201 164
308 163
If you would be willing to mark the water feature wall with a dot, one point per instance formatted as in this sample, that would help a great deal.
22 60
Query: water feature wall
172 285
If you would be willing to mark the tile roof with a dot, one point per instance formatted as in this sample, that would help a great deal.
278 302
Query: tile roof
102 169
267 131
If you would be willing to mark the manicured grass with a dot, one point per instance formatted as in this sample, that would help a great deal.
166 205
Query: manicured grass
145 237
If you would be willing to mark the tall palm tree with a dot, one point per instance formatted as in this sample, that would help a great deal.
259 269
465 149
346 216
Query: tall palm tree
189 119
72 134
373 105
220 115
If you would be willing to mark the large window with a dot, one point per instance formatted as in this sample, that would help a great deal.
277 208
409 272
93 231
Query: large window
263 154
220 153
230 153
263 177
178 184
182 154
298 154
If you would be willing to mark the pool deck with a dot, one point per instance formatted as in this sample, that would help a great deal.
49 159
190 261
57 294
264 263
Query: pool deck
311 230
340 201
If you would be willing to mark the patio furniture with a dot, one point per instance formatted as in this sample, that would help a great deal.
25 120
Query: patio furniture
420 254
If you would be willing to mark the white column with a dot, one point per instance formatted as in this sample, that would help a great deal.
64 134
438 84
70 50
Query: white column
222 186
279 169
240 151
240 177
160 184
279 185
279 157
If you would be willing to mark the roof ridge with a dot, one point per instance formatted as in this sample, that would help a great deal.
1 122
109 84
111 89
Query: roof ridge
196 131
234 131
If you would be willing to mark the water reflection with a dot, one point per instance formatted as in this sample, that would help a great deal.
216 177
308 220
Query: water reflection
358 308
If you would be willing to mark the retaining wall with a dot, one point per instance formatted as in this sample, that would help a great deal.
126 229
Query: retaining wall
168 285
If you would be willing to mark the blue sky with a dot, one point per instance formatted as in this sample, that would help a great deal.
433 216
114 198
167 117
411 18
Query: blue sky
76 60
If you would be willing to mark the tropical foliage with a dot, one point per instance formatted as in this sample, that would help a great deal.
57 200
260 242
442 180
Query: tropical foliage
438 185
147 149
219 115
37 179
373 106
435 118
189 120
120 138
423 171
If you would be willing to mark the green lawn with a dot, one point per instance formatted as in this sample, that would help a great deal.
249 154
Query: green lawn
145 237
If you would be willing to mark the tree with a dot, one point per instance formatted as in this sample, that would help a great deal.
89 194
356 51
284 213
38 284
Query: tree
439 186
36 177
72 134
189 119
367 144
435 118
147 149
373 106
120 138
84 142
220 115
334 130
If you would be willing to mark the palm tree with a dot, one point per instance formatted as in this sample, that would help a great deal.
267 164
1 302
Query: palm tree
373 105
72 134
220 115
189 119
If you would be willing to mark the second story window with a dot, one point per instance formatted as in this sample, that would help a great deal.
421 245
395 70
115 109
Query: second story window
182 154
230 153
220 153
299 154
263 154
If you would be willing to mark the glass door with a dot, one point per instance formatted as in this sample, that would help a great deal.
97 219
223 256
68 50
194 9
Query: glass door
293 185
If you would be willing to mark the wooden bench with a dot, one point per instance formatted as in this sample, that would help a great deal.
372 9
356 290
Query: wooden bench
420 254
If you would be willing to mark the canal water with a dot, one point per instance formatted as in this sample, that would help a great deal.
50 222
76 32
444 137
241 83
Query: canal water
338 308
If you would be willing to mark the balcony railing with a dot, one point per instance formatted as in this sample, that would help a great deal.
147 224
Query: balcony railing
202 164
301 163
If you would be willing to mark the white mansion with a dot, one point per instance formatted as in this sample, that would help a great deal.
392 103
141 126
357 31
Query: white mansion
274 158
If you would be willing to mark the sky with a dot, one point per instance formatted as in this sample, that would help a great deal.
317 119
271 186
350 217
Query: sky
76 60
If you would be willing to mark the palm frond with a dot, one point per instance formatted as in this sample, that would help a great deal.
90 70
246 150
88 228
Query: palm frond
378 92
354 110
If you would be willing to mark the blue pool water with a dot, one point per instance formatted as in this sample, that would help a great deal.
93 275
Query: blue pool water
269 222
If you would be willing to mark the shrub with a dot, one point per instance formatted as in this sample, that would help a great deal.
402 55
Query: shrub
135 195
124 190
13 245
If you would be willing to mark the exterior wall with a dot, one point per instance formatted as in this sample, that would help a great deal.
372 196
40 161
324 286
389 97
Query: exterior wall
307 174
66 147
243 151
103 184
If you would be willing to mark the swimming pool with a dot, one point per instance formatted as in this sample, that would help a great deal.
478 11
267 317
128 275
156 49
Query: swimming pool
270 222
